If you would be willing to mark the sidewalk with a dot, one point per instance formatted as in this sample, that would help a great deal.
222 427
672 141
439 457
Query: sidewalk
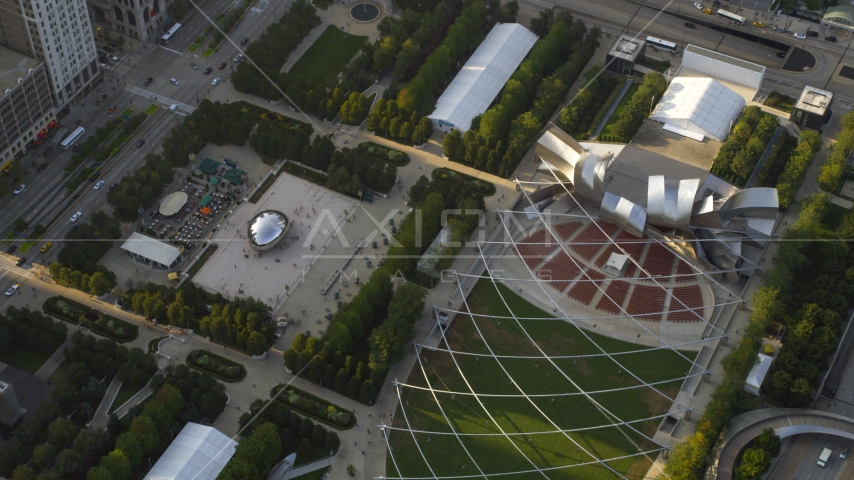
51 364
102 414
325 463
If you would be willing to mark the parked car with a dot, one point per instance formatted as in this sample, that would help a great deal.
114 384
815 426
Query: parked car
781 54
20 189
698 5
244 41
111 109
11 291
11 249
844 453
830 38
799 36
21 261
75 197
690 25
707 11
114 185
99 184
238 58
222 65
148 81
104 67
194 65
75 217
208 70
140 143
75 147
759 24
42 167
174 81
109 56
216 81
109 50
46 247
812 33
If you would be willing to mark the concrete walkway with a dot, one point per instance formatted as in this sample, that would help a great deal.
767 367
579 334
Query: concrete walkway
325 463
51 364
102 414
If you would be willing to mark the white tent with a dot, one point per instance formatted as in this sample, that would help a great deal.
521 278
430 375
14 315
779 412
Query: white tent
151 249
757 374
483 76
701 105
198 453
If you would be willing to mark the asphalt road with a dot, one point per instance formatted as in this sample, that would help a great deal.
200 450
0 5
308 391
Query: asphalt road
809 469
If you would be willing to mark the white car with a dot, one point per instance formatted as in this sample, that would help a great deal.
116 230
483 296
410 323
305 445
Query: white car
844 453
99 184
104 67
698 5
76 216
282 324
216 81
12 289
174 81
799 36
20 189
238 58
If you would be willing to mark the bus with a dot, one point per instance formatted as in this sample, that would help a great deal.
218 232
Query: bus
72 139
737 19
172 31
661 44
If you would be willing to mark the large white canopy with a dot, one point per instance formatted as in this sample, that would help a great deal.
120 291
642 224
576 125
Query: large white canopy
197 453
701 105
151 248
483 76
757 374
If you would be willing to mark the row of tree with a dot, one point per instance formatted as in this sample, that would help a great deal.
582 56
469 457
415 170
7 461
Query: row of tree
281 139
796 166
389 340
97 284
22 328
143 188
741 151
334 370
387 120
832 172
243 323
213 122
639 106
756 459
577 118
499 138
354 169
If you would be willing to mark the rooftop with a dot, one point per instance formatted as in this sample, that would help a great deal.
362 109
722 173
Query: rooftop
13 66
627 48
814 100
653 138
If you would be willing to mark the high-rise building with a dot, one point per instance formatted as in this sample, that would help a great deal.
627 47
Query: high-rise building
26 105
10 411
140 19
57 33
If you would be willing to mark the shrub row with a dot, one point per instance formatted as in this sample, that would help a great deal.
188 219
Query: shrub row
589 106
315 407
830 179
463 180
795 172
220 367
79 314
742 150
389 155
638 107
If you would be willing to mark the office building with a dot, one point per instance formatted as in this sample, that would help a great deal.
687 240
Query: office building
624 54
812 110
57 33
140 19
10 410
26 105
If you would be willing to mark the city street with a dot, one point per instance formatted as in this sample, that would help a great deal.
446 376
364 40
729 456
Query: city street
809 468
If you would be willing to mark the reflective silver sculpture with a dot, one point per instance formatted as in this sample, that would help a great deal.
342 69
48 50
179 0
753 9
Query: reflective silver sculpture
669 201
752 202
589 176
267 229
623 213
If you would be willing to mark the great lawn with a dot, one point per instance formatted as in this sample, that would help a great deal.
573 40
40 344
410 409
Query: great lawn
328 55
516 420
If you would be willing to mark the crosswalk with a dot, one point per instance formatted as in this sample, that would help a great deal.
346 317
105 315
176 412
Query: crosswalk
9 263
126 63
159 98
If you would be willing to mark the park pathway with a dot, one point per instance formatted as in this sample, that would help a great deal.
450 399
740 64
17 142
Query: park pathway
51 364
311 467
99 420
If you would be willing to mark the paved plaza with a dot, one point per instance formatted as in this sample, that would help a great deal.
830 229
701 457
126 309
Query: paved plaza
237 269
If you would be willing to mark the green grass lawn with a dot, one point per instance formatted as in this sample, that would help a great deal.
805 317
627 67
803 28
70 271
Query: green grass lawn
315 475
194 47
328 55
24 358
60 375
207 53
609 127
495 453
26 246
126 391
150 110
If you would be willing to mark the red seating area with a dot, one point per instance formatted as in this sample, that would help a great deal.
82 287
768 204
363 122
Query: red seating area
647 302
659 261
565 230
617 291
590 240
584 290
683 268
692 298
624 240
532 249
560 269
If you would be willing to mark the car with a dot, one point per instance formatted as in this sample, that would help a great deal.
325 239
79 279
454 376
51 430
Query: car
238 58
244 41
75 147
110 57
844 453
75 197
104 67
76 216
812 33
99 184
799 36
781 54
194 65
21 261
830 38
11 249
109 50
698 5
223 65
11 291
20 189
42 167
74 228
216 81
717 3
282 324
114 185
690 25
208 70
759 24
140 143
174 81
148 81
46 247
707 11
111 109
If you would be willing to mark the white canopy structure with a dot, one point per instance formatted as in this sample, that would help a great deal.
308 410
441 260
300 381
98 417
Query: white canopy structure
147 249
700 105
483 76
198 453
757 374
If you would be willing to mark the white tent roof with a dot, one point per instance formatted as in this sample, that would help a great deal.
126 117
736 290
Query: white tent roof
198 453
757 374
484 75
701 105
151 248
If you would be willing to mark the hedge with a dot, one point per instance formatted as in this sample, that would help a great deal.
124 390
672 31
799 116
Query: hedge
105 325
325 406
390 155
830 178
464 181
196 356
796 168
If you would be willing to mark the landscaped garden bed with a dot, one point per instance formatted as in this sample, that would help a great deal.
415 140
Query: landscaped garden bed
315 407
101 323
389 155
465 181
220 367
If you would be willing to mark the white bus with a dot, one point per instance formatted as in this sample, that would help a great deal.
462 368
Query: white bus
661 44
172 31
72 139
737 19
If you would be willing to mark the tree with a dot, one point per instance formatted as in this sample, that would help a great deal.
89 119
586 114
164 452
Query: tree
127 444
367 394
318 436
351 470
508 12
542 23
114 424
68 462
61 431
23 472
43 455
99 284
256 344
118 465
768 441
453 145
305 428
304 449
100 473
342 379
755 462
354 386
332 441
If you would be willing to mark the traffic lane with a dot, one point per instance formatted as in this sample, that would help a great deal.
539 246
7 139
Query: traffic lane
809 467
195 23
260 15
